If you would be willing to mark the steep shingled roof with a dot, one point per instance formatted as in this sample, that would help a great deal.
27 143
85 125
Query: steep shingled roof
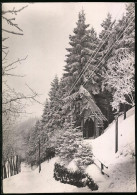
89 104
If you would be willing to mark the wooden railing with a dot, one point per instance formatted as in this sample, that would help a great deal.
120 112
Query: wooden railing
102 165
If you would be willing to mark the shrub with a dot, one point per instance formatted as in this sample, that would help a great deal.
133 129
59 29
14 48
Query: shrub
76 178
91 184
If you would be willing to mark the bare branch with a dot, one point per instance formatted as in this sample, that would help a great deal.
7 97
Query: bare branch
36 95
14 75
3 39
18 98
13 11
11 68
19 60
5 56
12 32
9 21
4 47
37 101
4 51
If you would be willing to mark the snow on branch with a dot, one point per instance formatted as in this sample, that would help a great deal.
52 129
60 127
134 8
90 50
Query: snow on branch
120 78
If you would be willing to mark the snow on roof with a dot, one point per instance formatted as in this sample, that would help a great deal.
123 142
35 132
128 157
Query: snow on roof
82 90
90 103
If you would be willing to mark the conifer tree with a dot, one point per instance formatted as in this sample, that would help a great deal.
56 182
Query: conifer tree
55 104
126 42
92 82
103 98
68 142
45 115
33 149
51 119
83 44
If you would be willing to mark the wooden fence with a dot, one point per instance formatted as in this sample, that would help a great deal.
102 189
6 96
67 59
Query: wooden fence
101 165
11 166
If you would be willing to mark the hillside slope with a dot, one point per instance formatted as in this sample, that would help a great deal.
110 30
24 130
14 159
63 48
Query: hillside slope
121 165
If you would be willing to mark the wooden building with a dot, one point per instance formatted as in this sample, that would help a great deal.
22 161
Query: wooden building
89 116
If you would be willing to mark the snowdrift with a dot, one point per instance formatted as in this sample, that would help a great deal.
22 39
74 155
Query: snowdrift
121 165
31 181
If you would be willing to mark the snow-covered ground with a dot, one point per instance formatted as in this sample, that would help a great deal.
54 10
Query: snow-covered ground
31 181
121 165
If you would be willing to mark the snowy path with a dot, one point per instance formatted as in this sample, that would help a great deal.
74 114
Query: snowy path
29 181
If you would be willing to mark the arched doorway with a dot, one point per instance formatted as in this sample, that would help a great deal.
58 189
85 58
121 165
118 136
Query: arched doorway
88 128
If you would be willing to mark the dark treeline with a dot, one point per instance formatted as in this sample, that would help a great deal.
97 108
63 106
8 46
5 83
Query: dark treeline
111 84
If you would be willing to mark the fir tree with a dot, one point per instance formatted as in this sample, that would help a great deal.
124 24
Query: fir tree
53 94
33 149
126 41
51 119
83 44
103 98
68 142
92 82
55 107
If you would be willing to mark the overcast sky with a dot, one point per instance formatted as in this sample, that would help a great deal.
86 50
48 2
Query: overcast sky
46 28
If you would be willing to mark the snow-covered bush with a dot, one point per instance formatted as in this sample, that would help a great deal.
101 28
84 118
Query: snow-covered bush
62 174
76 178
91 184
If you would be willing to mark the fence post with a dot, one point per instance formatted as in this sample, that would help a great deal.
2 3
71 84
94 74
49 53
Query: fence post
116 135
124 111
39 157
102 167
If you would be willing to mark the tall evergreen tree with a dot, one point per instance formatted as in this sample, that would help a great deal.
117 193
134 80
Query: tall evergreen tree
83 44
33 145
103 98
126 42
55 106
92 82
51 118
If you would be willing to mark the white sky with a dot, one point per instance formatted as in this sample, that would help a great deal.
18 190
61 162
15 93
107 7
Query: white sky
46 28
